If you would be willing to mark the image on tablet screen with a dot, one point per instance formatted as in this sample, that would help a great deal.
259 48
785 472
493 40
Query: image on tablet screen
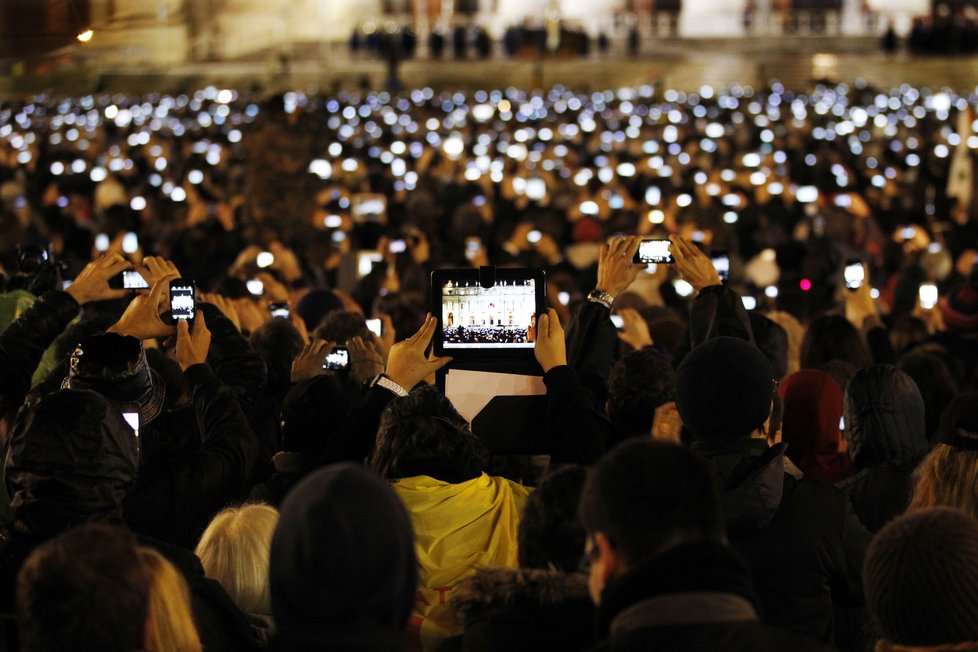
500 317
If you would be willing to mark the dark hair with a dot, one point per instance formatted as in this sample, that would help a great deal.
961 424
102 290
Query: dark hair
277 343
638 384
645 494
907 331
935 381
85 590
340 326
550 532
831 337
422 434
772 339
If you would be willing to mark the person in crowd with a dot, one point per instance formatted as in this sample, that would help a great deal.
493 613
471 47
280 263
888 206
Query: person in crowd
810 426
949 474
639 383
342 573
920 574
886 439
724 394
931 372
659 569
543 603
234 550
87 589
170 624
311 414
74 459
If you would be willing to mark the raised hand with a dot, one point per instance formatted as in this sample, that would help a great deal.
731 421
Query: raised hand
407 364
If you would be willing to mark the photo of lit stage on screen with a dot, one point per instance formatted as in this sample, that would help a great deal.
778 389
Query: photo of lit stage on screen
500 317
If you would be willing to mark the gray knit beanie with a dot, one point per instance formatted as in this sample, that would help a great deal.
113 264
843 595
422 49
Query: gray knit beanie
921 578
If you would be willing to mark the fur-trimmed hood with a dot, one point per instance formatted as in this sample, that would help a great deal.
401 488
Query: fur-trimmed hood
501 588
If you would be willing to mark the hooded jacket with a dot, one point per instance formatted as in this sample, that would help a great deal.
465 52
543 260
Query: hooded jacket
523 609
887 436
810 425
799 537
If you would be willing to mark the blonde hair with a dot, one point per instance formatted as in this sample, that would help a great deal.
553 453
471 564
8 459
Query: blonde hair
947 476
235 551
170 625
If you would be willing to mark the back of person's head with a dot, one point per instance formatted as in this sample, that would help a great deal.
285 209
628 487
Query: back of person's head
115 366
171 625
316 304
936 383
311 412
772 340
646 496
72 459
277 342
423 434
234 550
724 389
907 331
811 413
960 311
920 577
550 534
85 590
638 384
341 326
949 474
884 419
342 555
832 337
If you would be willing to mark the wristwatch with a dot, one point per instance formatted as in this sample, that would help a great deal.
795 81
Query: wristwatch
598 295
381 380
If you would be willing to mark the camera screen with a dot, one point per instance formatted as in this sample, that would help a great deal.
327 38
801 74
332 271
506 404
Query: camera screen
375 326
722 264
133 280
182 301
854 275
654 251
369 208
338 359
928 296
279 310
500 317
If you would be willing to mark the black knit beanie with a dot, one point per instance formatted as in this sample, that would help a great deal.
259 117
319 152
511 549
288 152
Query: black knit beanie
724 388
921 578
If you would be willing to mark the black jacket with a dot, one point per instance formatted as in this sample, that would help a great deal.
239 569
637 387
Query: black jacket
523 609
180 489
693 597
23 344
800 538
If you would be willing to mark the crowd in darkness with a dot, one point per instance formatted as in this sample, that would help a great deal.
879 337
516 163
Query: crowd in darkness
764 462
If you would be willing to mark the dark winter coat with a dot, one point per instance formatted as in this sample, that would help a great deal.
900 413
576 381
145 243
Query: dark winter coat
800 538
523 609
696 596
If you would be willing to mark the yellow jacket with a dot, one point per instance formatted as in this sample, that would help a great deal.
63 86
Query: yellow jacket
457 527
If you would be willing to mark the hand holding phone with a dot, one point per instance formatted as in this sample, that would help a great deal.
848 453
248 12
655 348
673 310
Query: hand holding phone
193 342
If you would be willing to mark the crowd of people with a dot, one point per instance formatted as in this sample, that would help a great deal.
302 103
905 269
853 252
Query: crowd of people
782 460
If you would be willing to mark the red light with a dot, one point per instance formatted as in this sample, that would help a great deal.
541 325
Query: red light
805 285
